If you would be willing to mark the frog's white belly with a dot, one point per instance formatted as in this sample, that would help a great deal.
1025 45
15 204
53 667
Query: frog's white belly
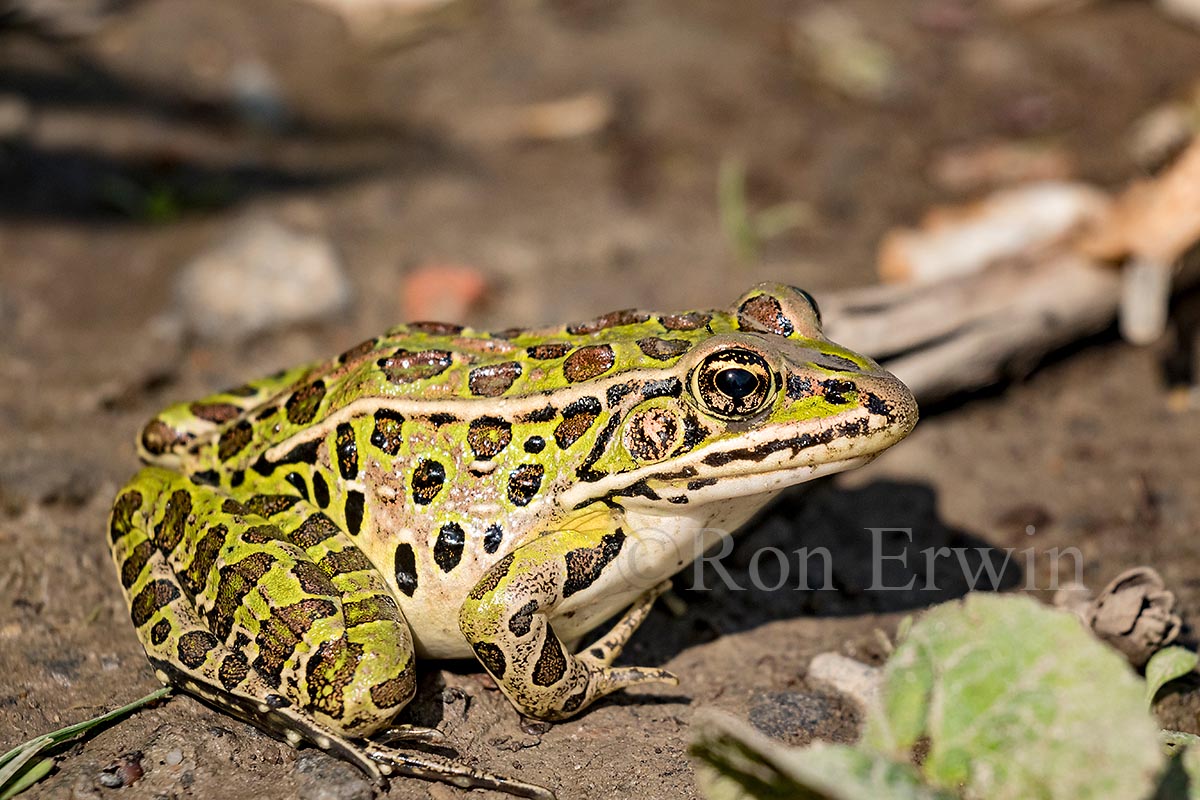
657 547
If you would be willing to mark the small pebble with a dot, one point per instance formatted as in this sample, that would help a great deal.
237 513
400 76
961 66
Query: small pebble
441 292
111 780
256 95
126 770
262 276
174 758
850 678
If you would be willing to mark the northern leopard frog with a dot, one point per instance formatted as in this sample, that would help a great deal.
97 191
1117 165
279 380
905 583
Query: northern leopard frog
296 544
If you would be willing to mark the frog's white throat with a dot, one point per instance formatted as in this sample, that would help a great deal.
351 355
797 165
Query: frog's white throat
717 511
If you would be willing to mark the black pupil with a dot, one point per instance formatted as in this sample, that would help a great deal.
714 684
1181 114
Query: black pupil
736 383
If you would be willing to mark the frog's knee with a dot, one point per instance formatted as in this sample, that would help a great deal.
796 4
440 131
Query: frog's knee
358 693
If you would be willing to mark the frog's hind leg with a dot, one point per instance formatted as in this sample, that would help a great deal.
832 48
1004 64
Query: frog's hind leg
268 611
177 428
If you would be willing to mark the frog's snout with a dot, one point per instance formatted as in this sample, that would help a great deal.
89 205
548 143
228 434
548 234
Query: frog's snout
835 387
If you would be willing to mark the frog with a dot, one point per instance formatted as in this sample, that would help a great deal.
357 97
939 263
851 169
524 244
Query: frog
292 547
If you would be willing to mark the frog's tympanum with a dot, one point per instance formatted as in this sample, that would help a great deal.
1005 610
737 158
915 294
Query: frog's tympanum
296 544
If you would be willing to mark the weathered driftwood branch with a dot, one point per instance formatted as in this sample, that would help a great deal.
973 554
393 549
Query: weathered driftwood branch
998 317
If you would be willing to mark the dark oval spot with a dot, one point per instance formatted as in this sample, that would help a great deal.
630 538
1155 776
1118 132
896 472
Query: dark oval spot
354 511
406 569
121 522
194 647
448 549
492 538
160 631
535 444
524 483
320 489
544 352
386 435
346 446
492 657
488 436
835 391
297 481
521 621
406 367
436 328
612 319
357 352
588 362
427 481
663 349
685 322
493 380
577 419
301 407
215 412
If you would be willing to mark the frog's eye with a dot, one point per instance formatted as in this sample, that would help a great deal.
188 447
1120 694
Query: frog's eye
733 383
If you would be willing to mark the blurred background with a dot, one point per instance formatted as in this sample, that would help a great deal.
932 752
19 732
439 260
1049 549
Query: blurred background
193 194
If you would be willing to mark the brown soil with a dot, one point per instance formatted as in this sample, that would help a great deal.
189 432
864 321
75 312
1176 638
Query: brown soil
132 164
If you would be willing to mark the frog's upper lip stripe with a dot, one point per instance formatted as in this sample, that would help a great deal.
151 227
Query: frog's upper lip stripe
855 437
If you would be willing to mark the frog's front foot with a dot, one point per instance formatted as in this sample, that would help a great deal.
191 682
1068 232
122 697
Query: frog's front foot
506 620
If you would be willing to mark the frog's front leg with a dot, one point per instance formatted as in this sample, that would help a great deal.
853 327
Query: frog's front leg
507 619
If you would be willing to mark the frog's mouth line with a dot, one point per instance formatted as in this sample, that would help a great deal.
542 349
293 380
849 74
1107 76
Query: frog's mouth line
766 460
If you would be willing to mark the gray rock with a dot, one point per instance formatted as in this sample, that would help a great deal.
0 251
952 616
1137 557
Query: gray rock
263 276
256 95
797 717
320 776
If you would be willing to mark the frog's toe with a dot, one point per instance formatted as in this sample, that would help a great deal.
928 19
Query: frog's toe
614 678
408 733
426 767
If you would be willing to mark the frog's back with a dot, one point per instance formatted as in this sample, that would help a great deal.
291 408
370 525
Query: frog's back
433 367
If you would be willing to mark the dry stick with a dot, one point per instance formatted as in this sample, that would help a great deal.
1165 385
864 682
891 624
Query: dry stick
969 332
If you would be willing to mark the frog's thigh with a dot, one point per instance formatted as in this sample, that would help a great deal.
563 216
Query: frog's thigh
257 611
506 620
177 428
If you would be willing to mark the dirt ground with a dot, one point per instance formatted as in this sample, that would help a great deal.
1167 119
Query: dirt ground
130 163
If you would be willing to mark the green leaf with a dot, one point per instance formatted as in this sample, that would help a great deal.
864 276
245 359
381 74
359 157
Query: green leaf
16 776
739 763
1015 701
734 209
27 777
1165 666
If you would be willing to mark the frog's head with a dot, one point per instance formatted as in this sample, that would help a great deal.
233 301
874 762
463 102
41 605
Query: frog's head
759 401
